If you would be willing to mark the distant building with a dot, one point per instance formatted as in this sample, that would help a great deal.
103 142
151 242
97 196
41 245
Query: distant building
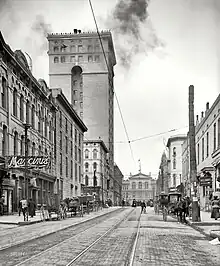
118 177
174 145
77 65
139 187
95 169
69 147
162 181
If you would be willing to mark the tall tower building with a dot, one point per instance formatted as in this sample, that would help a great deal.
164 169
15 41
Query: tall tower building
77 65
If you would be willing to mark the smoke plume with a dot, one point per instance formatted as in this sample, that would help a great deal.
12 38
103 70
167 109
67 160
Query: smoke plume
132 29
40 29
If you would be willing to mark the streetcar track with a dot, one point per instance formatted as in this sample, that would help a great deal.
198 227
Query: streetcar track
80 251
130 260
59 231
98 240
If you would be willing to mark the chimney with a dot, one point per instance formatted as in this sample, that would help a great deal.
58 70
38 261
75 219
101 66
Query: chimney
197 120
75 31
202 115
207 106
79 31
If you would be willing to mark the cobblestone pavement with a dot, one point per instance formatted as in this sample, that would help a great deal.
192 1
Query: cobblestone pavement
17 254
171 243
65 251
13 234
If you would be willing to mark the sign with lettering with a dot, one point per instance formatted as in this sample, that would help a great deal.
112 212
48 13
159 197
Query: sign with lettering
32 161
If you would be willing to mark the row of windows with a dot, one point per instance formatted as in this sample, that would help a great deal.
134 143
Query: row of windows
76 48
32 148
74 59
205 145
140 185
87 166
78 137
69 168
94 154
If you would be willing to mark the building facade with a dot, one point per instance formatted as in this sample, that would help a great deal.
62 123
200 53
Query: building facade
69 147
77 65
118 177
208 152
163 176
186 180
24 102
139 187
96 169
174 146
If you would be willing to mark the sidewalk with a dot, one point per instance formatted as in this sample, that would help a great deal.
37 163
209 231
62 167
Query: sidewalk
15 219
207 225
13 236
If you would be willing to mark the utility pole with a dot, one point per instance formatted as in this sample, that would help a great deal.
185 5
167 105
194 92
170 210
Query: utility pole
26 127
192 149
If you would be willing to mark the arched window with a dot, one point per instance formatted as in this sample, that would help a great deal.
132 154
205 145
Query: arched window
174 151
95 154
146 185
22 145
56 59
140 185
16 143
133 185
15 103
22 108
33 116
174 164
95 166
86 167
86 180
86 154
63 59
33 149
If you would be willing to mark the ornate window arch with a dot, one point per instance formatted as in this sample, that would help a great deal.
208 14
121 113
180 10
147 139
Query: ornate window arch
95 154
86 154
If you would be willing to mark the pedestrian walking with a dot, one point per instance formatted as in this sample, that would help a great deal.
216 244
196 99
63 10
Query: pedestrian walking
143 207
31 208
24 208
215 208
1 206
19 208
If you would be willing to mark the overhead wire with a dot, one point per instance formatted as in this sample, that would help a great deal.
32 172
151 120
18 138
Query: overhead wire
109 72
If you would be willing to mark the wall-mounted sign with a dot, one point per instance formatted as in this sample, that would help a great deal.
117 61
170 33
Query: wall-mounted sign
32 161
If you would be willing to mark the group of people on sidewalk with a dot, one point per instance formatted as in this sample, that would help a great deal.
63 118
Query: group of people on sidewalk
27 207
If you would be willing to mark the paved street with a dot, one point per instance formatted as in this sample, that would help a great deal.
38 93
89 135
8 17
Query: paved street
159 243
172 243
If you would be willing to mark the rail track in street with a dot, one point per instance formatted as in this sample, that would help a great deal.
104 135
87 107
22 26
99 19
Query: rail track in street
106 241
19 253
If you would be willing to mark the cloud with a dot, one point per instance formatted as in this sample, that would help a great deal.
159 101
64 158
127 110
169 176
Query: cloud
133 30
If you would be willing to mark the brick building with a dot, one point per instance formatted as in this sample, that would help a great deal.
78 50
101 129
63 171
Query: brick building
118 177
77 65
163 176
69 147
96 169
208 151
23 99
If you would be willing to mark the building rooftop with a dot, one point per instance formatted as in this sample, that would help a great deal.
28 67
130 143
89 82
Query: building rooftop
101 142
175 138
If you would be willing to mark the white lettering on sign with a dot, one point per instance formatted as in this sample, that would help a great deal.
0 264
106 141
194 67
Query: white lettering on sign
32 161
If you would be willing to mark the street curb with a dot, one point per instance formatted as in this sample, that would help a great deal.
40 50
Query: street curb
65 227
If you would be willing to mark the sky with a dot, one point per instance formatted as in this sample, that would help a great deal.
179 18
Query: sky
162 47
